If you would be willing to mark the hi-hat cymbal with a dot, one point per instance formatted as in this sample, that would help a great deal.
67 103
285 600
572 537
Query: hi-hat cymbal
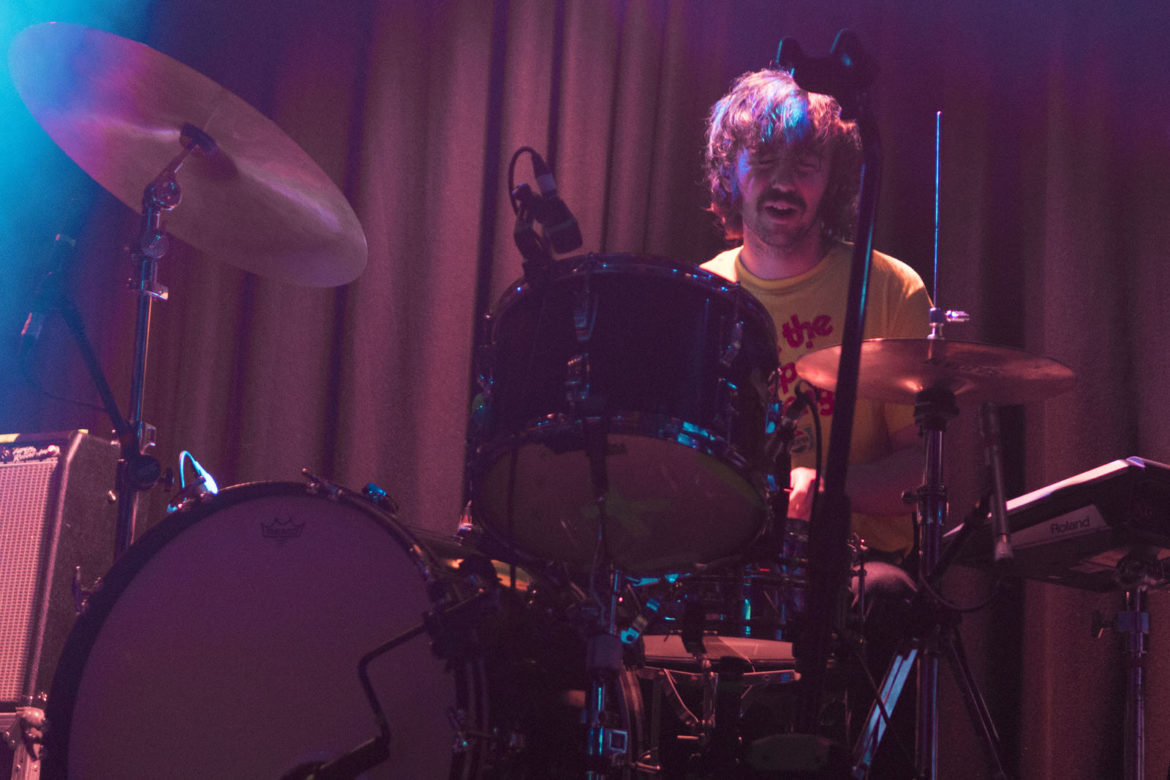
896 370
117 107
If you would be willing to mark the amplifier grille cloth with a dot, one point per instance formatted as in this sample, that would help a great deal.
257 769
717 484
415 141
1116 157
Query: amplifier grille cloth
24 497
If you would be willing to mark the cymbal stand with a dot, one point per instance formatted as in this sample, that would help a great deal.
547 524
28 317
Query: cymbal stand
1135 623
935 630
136 473
1136 573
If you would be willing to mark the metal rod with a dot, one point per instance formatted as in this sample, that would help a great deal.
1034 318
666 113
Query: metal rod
930 535
829 531
937 195
127 490
1135 624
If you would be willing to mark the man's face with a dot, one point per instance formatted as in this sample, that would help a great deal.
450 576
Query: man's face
782 192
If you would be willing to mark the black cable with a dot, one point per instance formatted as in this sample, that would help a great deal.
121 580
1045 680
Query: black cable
34 382
512 176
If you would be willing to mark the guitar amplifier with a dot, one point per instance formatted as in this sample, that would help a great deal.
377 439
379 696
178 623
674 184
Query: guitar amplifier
57 521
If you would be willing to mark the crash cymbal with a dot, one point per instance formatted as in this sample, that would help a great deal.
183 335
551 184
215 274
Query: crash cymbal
117 107
896 370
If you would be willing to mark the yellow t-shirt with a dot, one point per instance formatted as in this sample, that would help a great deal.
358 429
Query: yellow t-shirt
809 313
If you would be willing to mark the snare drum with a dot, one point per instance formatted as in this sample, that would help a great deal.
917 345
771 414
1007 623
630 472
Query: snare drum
643 376
225 643
744 600
717 668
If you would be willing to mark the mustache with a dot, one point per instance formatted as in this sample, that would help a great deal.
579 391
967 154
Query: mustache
784 198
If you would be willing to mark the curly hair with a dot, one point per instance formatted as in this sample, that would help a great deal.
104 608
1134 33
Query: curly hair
765 110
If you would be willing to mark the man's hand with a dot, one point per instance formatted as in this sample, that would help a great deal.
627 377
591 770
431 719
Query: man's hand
800 498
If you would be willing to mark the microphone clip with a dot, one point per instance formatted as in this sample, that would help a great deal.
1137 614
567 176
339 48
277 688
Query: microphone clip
534 247
846 74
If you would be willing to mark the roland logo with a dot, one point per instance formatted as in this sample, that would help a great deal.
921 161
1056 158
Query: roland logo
1062 527
281 529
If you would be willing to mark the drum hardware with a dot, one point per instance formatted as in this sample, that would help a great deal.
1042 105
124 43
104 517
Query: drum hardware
938 376
321 486
80 592
716 699
377 496
934 374
450 626
606 746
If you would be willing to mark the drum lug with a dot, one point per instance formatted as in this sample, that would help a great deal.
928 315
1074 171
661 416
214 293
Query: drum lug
80 593
734 346
584 313
577 379
380 498
466 737
320 485
485 361
726 398
458 720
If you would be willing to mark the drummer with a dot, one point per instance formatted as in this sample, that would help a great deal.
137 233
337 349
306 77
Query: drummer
783 170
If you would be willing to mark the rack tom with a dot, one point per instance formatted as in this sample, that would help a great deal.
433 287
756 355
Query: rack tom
640 379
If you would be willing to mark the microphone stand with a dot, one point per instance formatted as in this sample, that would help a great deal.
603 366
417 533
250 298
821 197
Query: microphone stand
846 75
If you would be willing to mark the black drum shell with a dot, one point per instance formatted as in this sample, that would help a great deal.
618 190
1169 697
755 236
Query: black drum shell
673 363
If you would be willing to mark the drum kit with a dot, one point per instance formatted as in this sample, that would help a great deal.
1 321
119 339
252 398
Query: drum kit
624 593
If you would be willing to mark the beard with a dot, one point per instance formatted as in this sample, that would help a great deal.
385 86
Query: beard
783 223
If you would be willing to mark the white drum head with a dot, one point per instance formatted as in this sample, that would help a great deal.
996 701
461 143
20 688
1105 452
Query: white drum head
225 644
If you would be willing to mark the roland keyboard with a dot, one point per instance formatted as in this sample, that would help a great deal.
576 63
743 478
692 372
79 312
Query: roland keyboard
1075 532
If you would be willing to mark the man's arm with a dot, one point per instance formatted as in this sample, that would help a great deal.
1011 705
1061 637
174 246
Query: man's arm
876 488
873 488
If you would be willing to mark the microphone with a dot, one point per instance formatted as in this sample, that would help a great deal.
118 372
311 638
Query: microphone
847 69
48 294
560 226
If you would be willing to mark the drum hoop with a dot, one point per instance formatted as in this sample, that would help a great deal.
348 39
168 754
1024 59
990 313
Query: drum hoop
643 265
100 605
696 437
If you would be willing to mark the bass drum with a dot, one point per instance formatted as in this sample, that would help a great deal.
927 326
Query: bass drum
225 643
